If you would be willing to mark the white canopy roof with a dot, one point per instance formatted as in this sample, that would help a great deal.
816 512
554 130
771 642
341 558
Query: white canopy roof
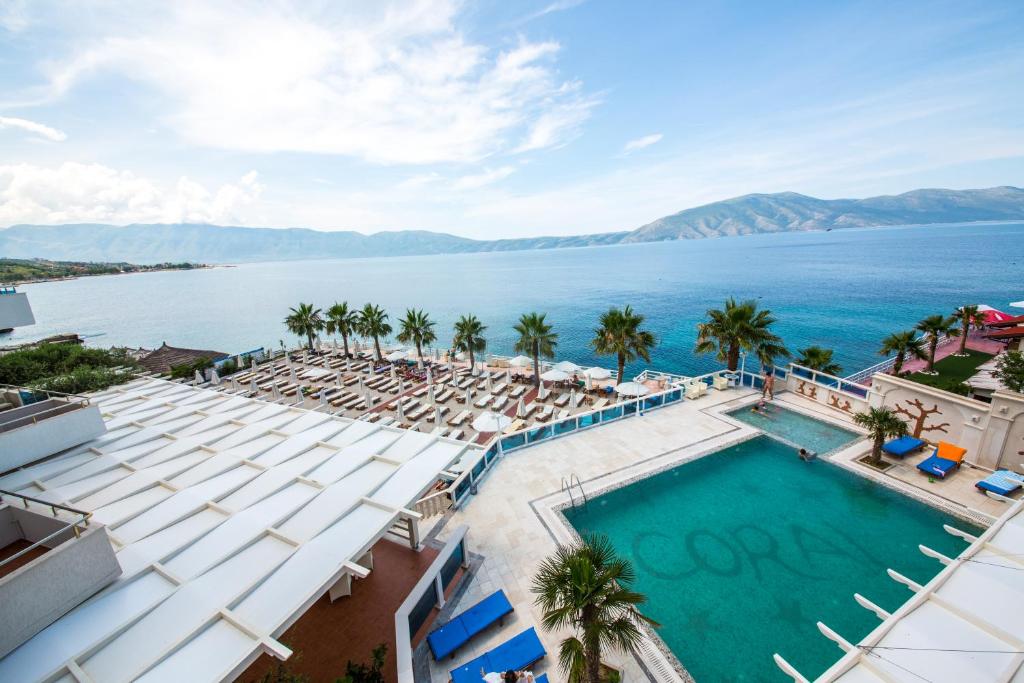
229 517
966 624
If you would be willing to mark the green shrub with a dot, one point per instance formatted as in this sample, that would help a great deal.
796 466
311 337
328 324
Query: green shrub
53 366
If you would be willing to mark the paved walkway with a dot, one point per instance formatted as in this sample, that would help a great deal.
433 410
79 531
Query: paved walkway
975 342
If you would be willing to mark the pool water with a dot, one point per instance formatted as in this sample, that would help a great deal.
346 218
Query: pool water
742 551
797 429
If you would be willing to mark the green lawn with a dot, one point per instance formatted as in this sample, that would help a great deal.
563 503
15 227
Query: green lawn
953 371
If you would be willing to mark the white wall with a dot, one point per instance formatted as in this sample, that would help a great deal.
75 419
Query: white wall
15 311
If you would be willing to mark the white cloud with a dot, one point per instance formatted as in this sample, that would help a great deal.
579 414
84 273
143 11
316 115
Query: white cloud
489 176
14 15
640 143
373 81
33 127
74 193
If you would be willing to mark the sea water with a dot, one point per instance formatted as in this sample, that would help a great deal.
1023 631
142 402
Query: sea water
844 289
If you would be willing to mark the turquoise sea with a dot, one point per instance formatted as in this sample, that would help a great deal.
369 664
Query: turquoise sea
845 289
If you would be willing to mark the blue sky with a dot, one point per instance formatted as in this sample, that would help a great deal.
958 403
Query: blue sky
494 119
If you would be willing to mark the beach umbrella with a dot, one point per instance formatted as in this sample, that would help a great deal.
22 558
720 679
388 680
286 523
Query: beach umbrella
469 396
520 409
542 392
323 397
430 394
337 379
437 354
588 382
437 415
252 363
275 393
451 366
573 399
273 369
400 411
401 385
360 388
632 389
489 421
490 385
254 388
392 371
597 373
293 377
198 379
430 376
368 399
396 355
520 362
214 377
567 366
234 384
554 375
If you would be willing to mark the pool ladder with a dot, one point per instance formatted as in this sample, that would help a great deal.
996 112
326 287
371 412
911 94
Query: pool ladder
574 483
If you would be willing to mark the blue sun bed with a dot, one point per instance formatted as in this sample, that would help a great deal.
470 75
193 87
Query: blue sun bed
905 445
1003 482
946 458
543 678
515 654
457 632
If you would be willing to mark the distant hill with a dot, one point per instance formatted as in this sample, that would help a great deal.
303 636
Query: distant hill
746 215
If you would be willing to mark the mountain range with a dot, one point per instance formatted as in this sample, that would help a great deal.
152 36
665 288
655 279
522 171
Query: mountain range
747 215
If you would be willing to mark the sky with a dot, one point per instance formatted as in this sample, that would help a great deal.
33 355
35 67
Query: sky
494 119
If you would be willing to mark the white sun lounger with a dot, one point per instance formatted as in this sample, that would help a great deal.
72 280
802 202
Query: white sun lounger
483 401
460 418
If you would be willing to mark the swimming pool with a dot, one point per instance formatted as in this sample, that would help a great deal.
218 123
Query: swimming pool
740 552
796 428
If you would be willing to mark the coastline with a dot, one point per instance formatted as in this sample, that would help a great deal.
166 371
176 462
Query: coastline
204 266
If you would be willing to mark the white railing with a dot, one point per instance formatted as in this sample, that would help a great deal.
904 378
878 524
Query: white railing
886 364
831 382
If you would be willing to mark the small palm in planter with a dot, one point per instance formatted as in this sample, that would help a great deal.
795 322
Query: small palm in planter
585 586
882 424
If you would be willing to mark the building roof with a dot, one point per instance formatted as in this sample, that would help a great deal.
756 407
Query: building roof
229 517
1008 322
966 624
1008 333
166 357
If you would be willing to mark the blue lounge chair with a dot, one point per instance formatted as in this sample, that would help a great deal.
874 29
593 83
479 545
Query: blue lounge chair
457 632
543 678
1003 482
515 654
905 445
946 458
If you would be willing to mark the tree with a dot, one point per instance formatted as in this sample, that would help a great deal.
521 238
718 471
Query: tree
305 321
820 359
881 424
903 344
933 327
341 320
535 338
1010 370
469 337
586 587
620 335
739 327
968 317
363 673
417 328
373 322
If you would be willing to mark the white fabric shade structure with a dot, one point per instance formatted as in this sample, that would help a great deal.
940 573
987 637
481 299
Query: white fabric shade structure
963 625
554 375
632 389
520 362
597 373
489 421
266 507
567 366
399 354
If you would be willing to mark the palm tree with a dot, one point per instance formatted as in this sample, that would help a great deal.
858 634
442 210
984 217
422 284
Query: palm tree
968 317
586 587
469 337
881 424
373 322
933 327
903 344
740 326
536 339
820 359
305 321
417 328
341 320
620 335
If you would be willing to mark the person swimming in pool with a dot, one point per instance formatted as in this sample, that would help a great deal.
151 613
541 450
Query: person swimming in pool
807 455
761 408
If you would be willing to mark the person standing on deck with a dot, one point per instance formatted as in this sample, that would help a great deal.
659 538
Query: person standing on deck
768 388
